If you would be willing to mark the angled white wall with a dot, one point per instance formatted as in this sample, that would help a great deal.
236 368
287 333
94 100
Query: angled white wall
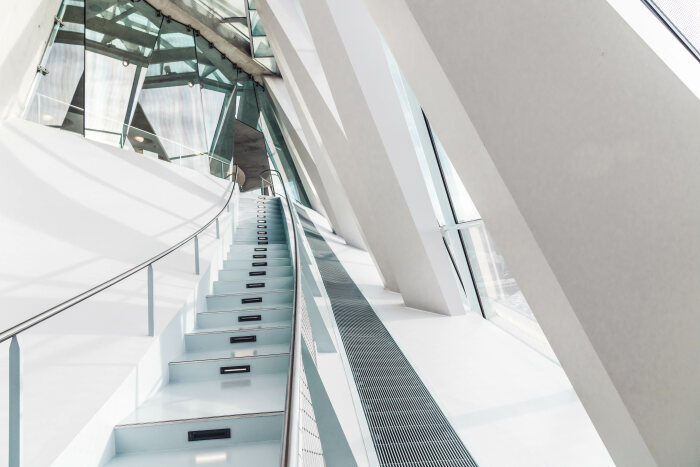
373 149
580 149
76 213
339 209
24 31
296 140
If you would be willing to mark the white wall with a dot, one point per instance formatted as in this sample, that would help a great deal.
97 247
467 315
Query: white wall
24 31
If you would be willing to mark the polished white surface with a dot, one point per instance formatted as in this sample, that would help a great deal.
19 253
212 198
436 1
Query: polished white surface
240 395
508 403
262 454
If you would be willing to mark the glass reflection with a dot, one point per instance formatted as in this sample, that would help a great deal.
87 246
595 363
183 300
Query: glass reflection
218 79
170 99
135 79
277 138
119 40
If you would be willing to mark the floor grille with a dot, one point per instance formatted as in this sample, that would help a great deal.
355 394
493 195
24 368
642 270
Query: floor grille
407 426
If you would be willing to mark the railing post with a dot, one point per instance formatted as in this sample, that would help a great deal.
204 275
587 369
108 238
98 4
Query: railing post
262 186
151 320
196 255
15 406
217 227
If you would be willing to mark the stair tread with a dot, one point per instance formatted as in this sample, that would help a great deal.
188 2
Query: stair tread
259 453
254 326
237 351
188 400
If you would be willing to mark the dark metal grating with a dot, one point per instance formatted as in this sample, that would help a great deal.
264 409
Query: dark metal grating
407 426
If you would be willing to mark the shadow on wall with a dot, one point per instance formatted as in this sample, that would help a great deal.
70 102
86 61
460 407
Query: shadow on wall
76 213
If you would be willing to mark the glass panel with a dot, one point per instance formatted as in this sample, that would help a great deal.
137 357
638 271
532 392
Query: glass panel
218 78
247 102
281 149
170 103
464 209
227 8
261 47
119 40
268 63
684 15
256 26
57 99
251 4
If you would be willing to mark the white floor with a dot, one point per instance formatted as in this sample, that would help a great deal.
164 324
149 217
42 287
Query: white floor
510 405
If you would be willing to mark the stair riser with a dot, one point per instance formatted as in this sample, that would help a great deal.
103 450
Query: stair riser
244 274
235 302
253 282
141 438
230 319
208 370
222 340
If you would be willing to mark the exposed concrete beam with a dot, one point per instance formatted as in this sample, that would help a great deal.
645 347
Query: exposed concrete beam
212 29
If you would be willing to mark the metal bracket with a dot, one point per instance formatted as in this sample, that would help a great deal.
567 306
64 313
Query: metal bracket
42 70
57 20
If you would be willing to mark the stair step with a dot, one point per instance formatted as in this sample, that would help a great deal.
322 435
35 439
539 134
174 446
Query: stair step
249 300
227 319
227 369
254 283
242 350
173 434
262 453
260 242
245 249
250 263
189 400
257 255
258 273
239 340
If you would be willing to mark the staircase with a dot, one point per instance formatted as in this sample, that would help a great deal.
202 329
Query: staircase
225 400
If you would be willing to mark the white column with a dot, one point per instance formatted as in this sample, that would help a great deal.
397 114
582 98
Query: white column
294 136
374 152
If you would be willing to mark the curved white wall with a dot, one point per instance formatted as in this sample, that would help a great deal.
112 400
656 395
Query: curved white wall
75 213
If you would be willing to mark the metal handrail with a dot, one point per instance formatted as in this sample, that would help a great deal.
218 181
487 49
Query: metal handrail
53 311
263 181
295 349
